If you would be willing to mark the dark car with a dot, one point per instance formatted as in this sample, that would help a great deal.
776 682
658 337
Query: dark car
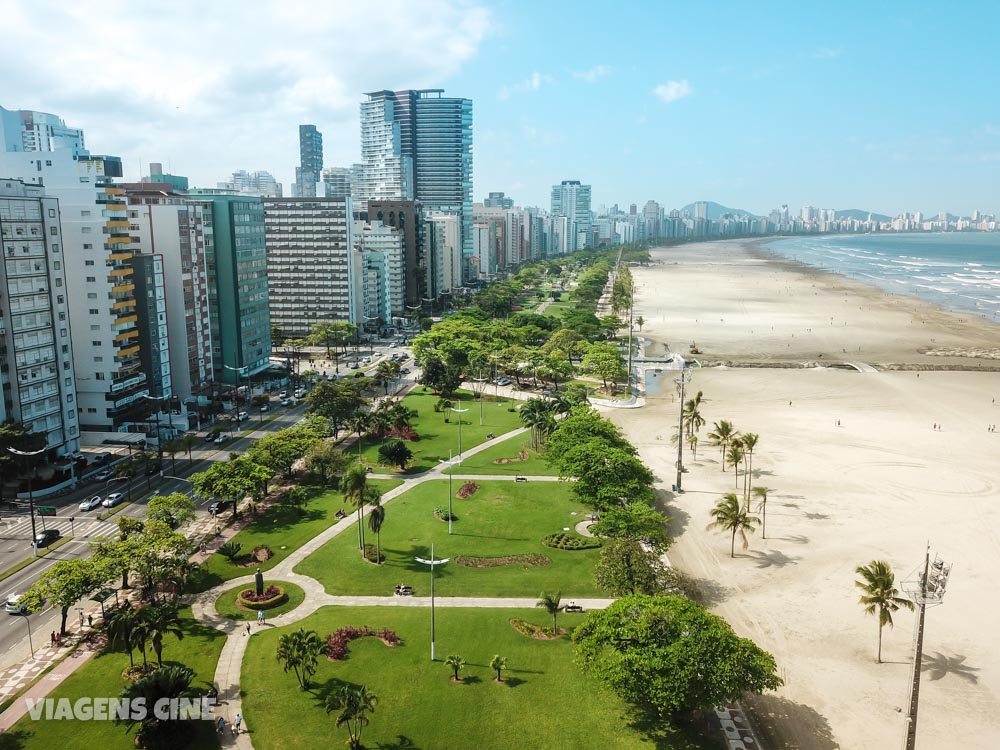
359 374
218 506
45 538
154 469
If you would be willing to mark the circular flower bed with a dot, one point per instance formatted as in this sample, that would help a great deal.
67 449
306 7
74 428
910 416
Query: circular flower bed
273 596
562 540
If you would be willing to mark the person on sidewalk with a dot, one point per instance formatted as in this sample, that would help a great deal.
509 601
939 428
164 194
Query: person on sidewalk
236 723
220 725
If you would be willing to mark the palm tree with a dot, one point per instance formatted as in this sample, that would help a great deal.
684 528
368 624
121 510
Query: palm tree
730 515
353 706
534 414
172 448
164 683
760 493
749 442
189 442
444 405
455 663
693 421
161 620
498 664
375 519
120 627
299 652
141 631
880 595
734 455
640 321
359 423
692 441
551 603
353 485
724 433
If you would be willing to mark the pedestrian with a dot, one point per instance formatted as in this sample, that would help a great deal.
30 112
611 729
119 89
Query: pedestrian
260 617
220 725
236 723
248 628
90 621
81 619
52 638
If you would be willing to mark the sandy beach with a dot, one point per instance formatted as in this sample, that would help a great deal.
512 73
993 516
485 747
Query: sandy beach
879 484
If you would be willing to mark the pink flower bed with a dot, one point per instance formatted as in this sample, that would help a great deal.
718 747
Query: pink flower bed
336 642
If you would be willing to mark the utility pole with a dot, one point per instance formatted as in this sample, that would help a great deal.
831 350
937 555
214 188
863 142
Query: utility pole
681 381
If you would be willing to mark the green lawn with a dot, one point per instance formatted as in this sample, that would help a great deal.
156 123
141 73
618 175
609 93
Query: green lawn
544 701
437 437
502 518
281 528
226 605
101 677
482 463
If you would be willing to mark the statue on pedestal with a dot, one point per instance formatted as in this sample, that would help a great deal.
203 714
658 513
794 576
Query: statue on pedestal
258 579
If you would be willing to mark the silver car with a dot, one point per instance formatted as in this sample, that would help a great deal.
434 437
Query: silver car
91 502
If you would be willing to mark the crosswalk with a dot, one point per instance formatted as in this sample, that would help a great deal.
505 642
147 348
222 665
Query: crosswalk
82 527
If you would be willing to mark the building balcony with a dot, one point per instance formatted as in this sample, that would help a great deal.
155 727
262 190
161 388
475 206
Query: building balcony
127 352
114 190
124 288
126 319
120 256
121 240
123 304
116 273
125 335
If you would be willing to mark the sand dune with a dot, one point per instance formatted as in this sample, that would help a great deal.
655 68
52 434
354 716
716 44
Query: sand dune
879 485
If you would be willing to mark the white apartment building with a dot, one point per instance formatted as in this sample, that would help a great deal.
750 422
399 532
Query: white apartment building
444 254
572 200
387 172
309 245
36 350
383 272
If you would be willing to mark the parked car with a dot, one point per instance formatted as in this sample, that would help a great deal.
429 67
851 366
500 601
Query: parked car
393 345
45 538
359 374
91 502
210 437
299 393
520 479
263 407
115 498
103 475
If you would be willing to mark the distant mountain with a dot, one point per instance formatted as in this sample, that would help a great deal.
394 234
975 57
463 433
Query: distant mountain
715 210
859 215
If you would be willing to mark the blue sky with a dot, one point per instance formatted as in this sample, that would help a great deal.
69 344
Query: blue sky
883 106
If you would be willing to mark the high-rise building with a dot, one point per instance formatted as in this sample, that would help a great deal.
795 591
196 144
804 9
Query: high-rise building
163 222
309 274
25 130
37 375
237 283
407 217
382 280
701 211
157 175
444 254
651 221
337 182
307 174
418 144
498 200
259 183
572 200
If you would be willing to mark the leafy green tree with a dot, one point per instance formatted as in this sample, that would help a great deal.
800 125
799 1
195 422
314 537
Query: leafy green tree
15 435
326 462
175 509
731 516
498 664
551 603
441 376
455 664
336 400
299 651
395 453
161 620
667 655
582 424
635 520
232 480
626 568
280 450
352 706
879 595
165 683
353 485
606 477
64 584
605 361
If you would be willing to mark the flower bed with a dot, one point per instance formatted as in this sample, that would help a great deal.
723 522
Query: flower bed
442 514
273 596
467 490
522 456
562 540
498 562
534 631
336 642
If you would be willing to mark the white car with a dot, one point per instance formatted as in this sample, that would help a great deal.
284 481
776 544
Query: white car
91 502
242 416
221 438
299 393
115 498
15 604
283 394
103 475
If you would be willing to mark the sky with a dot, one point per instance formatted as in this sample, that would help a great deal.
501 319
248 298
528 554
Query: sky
887 107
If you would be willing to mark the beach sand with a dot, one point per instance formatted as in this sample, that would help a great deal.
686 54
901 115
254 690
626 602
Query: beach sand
879 485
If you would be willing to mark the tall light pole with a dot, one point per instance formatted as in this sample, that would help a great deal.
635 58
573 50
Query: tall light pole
31 497
926 591
159 440
459 412
481 389
432 562
681 381
28 623
239 372
452 463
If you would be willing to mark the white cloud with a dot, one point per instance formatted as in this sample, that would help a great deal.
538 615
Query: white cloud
210 92
671 91
826 53
598 71
534 82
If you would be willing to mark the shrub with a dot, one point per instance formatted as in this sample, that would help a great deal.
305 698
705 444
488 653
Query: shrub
562 540
231 550
444 515
372 554
467 490
336 642
530 559
273 596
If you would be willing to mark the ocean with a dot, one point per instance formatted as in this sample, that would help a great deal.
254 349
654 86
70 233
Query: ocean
958 271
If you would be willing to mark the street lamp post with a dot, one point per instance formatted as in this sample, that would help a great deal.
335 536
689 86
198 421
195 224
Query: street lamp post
681 381
30 644
459 412
236 404
432 562
159 439
452 463
31 497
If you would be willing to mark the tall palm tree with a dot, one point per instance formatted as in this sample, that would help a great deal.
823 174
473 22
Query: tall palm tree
722 435
498 664
761 494
692 441
375 519
551 603
160 620
748 441
359 423
534 415
353 485
730 515
120 627
164 683
455 663
189 442
352 706
299 652
693 421
880 595
735 455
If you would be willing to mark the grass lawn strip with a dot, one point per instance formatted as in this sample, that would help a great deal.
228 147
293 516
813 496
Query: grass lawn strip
503 518
544 700
483 462
101 677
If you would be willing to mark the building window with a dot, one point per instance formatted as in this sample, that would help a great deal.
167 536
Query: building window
55 230
52 213
88 263
95 343
94 311
98 376
85 213
55 247
91 278
83 230
87 246
91 410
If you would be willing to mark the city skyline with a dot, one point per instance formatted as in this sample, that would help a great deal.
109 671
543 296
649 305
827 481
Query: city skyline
751 110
